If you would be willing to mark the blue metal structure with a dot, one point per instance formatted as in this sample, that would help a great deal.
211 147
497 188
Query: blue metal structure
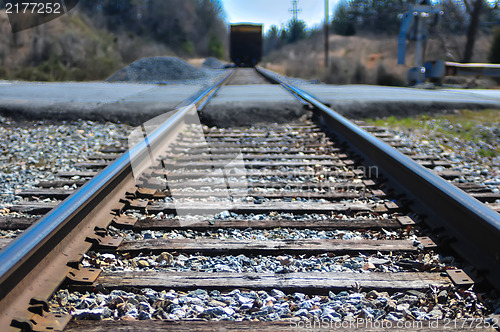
414 27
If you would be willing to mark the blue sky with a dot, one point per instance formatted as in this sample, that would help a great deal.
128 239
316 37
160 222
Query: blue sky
275 12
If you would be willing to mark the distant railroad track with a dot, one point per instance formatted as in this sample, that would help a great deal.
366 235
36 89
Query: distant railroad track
322 175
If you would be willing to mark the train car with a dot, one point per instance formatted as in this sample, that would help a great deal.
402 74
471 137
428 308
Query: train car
246 44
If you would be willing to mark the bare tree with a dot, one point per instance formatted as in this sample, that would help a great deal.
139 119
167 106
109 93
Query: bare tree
474 8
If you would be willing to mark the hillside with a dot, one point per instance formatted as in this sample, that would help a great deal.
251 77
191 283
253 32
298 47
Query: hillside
97 38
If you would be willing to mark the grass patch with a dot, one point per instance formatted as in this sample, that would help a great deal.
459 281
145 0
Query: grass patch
479 127
487 153
463 117
393 121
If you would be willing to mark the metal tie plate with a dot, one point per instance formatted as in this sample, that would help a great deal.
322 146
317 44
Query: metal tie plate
124 221
83 275
460 278
50 322
427 242
109 242
405 220
391 205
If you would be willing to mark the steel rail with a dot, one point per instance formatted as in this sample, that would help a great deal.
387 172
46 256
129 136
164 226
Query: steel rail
464 223
34 265
476 69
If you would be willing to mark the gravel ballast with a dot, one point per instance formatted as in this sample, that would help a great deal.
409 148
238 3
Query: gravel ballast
269 306
85 138
36 151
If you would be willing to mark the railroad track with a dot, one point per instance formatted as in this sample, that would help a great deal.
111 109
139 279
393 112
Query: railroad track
275 225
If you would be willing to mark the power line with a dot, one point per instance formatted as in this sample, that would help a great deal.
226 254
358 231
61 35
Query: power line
327 34
295 10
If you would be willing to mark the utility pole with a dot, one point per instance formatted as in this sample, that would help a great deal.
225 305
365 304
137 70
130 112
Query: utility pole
327 34
295 10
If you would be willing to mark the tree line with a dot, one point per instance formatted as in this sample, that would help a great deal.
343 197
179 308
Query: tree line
351 17
275 38
191 27
99 37
466 17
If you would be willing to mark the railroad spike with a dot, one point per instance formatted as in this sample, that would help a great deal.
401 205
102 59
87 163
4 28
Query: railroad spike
116 212
42 320
38 302
74 264
100 231
37 309
22 324
130 196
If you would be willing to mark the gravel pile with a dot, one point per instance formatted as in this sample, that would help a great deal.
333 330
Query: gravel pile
270 306
35 151
213 63
161 70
